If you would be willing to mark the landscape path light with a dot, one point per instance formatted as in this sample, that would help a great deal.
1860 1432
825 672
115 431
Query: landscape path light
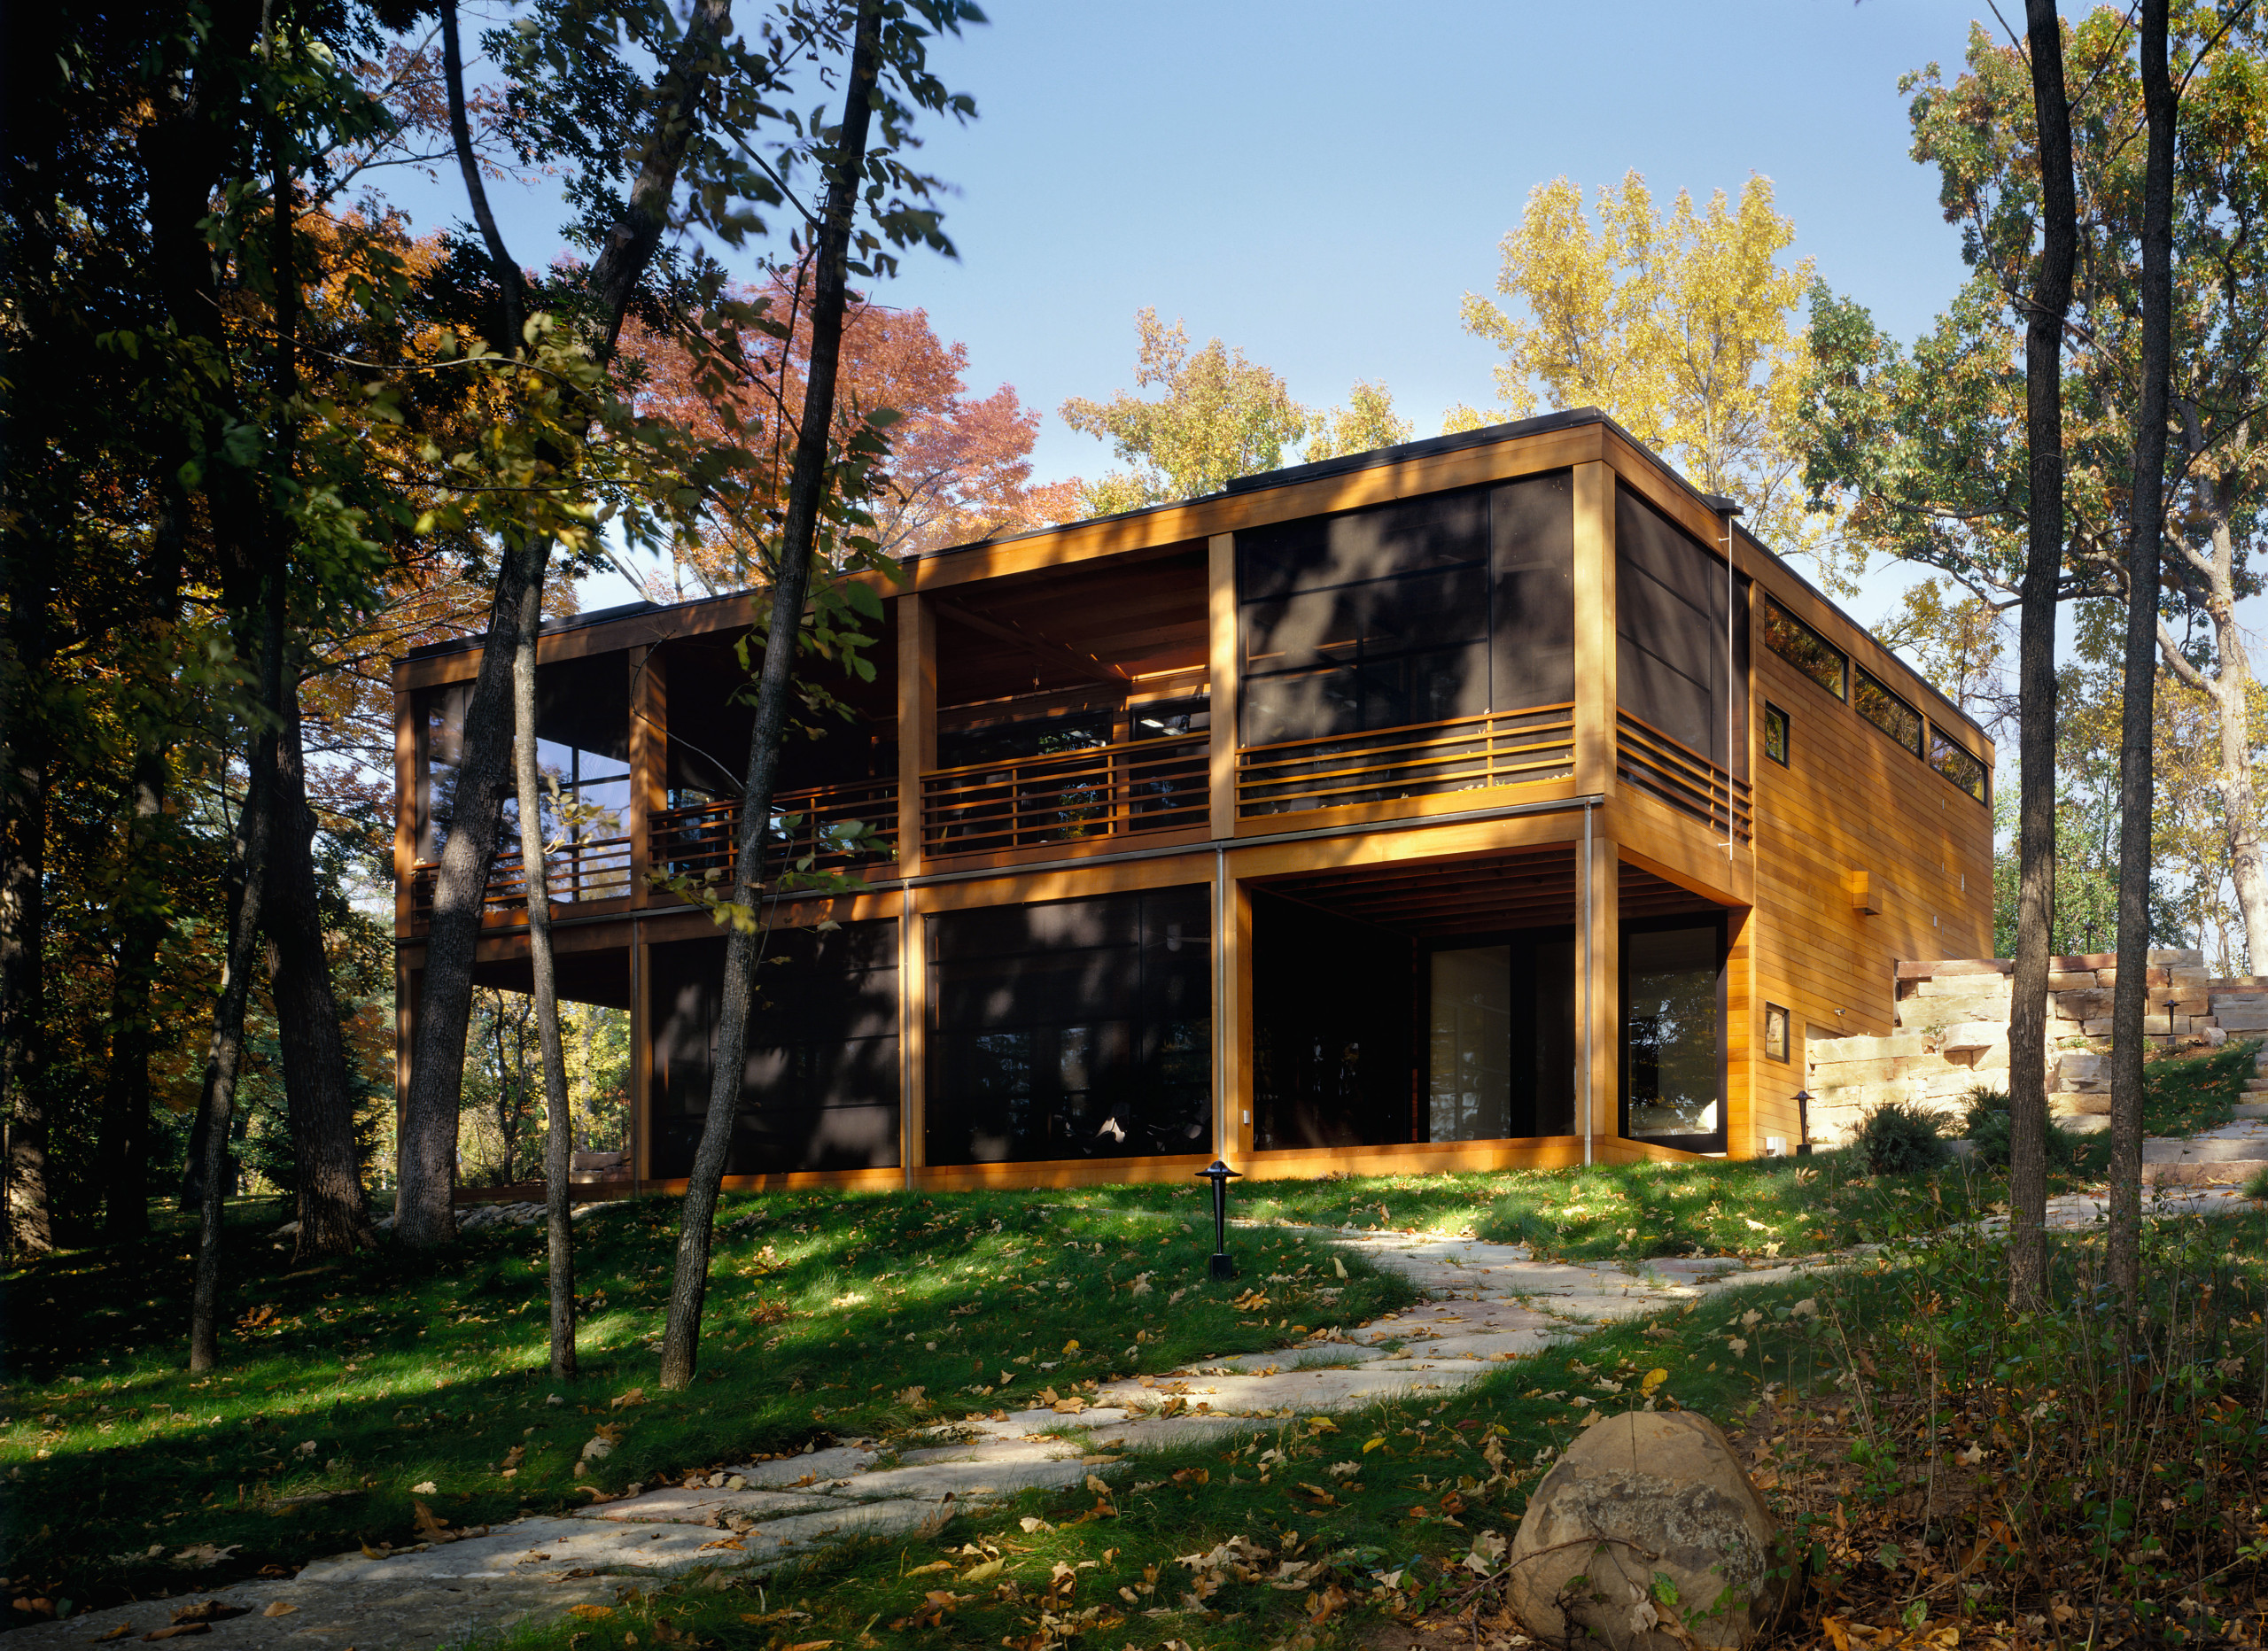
1218 1174
1803 1122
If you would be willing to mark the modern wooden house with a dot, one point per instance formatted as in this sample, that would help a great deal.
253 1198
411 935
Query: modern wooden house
1486 800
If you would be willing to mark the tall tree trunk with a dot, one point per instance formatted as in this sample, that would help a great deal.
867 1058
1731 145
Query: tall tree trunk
2137 787
2232 696
2051 297
425 1204
23 875
430 1110
558 1142
798 537
334 1210
123 1150
224 1053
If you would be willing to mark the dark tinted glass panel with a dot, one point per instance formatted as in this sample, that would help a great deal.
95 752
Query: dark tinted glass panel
1776 734
1956 763
1894 715
1805 648
441 751
1408 614
1502 1053
1673 1021
1333 1014
1670 659
1320 553
1071 1029
820 1086
1532 527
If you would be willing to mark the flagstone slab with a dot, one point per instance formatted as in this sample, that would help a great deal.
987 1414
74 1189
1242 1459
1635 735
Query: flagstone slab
402 1616
701 1506
811 1469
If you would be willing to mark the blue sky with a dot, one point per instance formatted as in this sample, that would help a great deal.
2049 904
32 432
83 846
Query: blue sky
1319 184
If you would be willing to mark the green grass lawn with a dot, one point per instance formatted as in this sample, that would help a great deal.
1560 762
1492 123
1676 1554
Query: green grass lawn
347 1385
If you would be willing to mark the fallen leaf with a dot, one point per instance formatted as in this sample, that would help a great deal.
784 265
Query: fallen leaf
591 1613
514 1457
985 1572
933 1566
179 1630
119 1632
635 1396
427 1489
280 1608
427 1525
1652 1380
1339 1266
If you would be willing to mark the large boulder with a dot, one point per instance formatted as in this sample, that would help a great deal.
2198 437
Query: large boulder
1647 1520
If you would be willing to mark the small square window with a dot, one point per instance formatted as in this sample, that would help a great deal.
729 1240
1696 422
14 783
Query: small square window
1775 734
1776 1033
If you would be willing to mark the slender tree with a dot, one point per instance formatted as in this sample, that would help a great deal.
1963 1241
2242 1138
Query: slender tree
559 1128
791 584
2137 774
2044 308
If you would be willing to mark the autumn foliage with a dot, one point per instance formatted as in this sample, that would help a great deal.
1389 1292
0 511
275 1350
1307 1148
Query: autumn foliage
959 468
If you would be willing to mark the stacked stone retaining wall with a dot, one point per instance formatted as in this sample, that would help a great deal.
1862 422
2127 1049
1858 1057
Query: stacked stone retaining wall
1953 1034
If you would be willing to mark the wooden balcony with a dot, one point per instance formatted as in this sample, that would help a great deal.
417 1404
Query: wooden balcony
577 873
1101 792
1676 774
818 822
1393 765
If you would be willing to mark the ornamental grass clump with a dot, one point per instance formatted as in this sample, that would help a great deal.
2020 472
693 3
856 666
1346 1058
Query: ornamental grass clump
1984 1119
1900 1138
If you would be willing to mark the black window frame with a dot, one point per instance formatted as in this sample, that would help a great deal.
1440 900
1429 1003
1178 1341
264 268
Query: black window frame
1778 612
1938 737
1864 682
1771 711
1787 1034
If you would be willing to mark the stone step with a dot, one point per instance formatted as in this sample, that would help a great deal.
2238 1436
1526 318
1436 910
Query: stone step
2228 1172
2160 1150
2250 1109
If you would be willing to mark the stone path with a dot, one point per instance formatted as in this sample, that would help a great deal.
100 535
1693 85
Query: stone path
1486 1304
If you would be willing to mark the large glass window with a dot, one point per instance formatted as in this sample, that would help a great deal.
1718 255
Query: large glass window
1672 1035
1471 1094
439 716
1078 1028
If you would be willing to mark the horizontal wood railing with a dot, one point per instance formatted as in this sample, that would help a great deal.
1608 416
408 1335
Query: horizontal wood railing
1389 764
1056 797
1682 777
598 869
817 820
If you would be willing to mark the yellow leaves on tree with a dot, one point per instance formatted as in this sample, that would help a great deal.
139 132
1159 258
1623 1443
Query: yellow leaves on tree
1681 328
1218 416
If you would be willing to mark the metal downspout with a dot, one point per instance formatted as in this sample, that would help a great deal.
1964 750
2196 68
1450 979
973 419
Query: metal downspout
1590 982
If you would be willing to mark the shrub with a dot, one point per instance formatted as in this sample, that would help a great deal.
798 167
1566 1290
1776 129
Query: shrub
1984 1119
1900 1138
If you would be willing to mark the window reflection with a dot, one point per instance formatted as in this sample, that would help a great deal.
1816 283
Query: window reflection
1672 1077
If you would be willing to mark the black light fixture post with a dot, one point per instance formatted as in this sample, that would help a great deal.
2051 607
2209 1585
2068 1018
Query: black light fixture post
1218 1174
1803 1121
